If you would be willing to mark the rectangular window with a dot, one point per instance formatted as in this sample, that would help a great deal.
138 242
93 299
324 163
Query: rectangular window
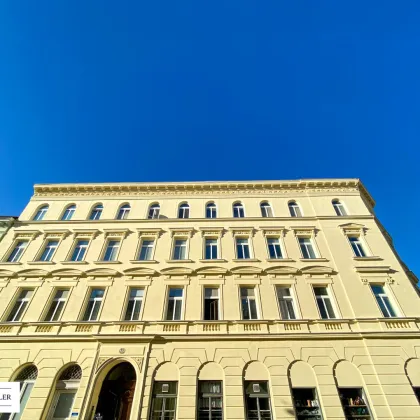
357 246
307 248
211 303
48 251
20 305
257 400
174 310
210 400
135 302
79 251
242 249
306 404
211 249
249 303
286 303
146 250
164 400
111 251
354 403
17 251
324 303
57 305
274 249
180 249
94 305
383 301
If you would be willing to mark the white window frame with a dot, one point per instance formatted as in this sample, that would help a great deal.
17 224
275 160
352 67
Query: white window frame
291 298
73 249
263 207
15 300
249 241
42 210
136 299
330 297
256 298
214 208
51 302
387 293
153 247
281 245
211 238
87 300
185 209
12 249
125 211
106 244
74 207
291 206
93 208
219 299
314 246
238 203
187 247
361 244
177 298
339 208
44 247
156 209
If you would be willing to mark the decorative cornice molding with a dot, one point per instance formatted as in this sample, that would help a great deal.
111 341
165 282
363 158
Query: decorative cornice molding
56 233
116 233
212 231
86 233
26 234
242 231
204 188
149 232
187 232
304 230
273 230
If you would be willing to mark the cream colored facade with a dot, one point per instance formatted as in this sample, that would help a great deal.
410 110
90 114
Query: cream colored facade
356 347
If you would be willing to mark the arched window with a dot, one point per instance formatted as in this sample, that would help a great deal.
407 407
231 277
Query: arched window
124 211
42 211
266 210
339 208
68 213
154 211
96 212
211 211
238 210
26 378
65 392
294 209
184 211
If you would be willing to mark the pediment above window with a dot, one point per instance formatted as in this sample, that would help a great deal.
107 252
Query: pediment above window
103 272
177 271
282 270
149 233
209 231
308 231
86 233
246 270
116 233
140 272
212 272
6 273
317 269
182 232
56 233
374 269
244 231
26 234
32 273
67 273
353 229
273 230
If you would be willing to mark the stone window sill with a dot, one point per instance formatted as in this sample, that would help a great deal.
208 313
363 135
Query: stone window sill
143 261
245 260
212 261
280 260
178 261
313 259
40 263
107 262
10 263
73 262
368 258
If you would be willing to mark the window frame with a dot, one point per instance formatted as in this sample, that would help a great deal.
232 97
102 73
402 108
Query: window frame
140 247
14 300
211 238
187 247
256 298
250 247
219 302
65 211
153 206
183 302
268 395
264 205
293 299
105 248
362 244
44 247
93 208
126 212
12 249
236 204
183 207
38 210
291 206
281 245
387 293
339 208
51 301
76 240
331 297
87 300
202 395
314 247
127 301
213 206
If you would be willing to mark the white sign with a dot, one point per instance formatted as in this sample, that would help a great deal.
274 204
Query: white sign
9 397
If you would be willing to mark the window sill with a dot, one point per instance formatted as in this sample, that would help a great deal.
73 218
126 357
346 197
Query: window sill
143 261
280 260
178 261
245 260
107 262
73 262
313 259
368 258
10 263
40 263
216 260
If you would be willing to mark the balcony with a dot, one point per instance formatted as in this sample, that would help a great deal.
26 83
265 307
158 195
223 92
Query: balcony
150 329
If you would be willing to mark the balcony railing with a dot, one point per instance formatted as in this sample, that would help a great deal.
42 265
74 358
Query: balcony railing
202 328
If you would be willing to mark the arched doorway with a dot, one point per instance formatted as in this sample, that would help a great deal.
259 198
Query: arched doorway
116 396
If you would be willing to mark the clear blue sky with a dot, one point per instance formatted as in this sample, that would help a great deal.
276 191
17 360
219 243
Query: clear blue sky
98 91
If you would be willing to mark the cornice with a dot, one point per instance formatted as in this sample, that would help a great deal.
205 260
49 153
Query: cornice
203 188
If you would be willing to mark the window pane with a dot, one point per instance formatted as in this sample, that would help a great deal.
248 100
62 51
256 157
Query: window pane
175 292
64 405
178 308
170 312
253 308
329 307
322 309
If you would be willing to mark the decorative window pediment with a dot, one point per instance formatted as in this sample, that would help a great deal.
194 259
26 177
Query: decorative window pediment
86 233
239 271
213 232
26 234
6 273
116 233
182 232
56 234
32 273
355 229
67 272
103 272
305 231
140 272
244 231
282 270
273 231
374 269
149 233
215 272
317 269
177 271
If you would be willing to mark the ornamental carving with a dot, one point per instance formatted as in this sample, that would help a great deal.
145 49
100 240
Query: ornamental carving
101 362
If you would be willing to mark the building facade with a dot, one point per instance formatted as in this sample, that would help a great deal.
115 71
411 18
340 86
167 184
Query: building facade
208 300
6 223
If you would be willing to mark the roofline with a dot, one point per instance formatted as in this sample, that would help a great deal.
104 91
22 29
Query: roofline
322 183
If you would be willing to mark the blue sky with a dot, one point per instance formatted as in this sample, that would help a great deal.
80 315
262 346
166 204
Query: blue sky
103 91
